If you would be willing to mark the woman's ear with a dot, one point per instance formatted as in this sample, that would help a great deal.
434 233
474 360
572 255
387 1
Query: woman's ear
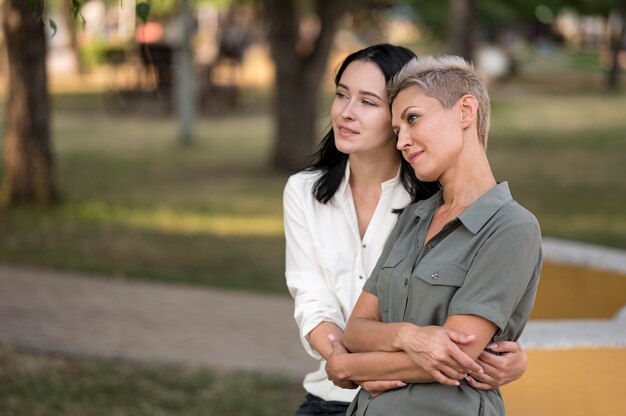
469 109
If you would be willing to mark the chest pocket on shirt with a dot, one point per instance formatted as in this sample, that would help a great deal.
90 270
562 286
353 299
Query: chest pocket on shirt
440 274
431 300
384 286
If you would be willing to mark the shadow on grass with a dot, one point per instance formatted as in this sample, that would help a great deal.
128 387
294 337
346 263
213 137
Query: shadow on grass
50 386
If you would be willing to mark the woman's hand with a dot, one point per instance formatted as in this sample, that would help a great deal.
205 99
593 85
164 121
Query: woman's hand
336 364
374 388
501 369
335 369
435 350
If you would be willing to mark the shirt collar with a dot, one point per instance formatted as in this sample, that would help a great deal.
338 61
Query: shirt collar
424 207
476 215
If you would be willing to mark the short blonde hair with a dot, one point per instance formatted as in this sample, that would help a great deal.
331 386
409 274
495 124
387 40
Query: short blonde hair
446 79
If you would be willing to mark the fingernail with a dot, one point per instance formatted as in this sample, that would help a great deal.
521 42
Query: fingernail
456 383
331 337
492 346
471 336
400 384
469 378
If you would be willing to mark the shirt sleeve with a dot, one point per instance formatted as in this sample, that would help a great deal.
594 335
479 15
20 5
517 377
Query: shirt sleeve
314 302
502 279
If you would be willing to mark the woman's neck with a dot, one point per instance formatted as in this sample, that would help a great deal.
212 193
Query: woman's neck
371 171
366 176
467 180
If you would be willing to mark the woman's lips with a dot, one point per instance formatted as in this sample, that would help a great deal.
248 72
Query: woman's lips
413 156
346 132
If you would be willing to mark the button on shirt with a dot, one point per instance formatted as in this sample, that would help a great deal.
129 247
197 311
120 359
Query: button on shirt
486 262
327 262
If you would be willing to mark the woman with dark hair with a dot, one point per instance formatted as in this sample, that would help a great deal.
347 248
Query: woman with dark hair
338 215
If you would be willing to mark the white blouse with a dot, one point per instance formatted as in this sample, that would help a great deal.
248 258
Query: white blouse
327 262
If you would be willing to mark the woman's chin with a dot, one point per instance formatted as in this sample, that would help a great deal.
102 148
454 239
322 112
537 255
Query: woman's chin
424 176
344 147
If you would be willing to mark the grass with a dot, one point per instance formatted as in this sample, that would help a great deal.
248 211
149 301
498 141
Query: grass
137 205
32 385
564 156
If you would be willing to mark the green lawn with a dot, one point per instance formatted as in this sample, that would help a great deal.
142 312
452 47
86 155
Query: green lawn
32 385
136 205
565 157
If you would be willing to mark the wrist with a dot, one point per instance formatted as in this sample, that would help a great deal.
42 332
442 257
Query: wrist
398 343
342 367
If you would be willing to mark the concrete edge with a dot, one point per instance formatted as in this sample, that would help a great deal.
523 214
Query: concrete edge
584 254
576 333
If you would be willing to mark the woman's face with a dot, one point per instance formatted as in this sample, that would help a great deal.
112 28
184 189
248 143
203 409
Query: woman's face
429 135
359 113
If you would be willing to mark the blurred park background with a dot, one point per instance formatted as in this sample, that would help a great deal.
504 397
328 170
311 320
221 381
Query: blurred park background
158 145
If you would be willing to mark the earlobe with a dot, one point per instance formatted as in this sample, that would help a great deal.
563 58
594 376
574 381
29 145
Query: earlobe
469 108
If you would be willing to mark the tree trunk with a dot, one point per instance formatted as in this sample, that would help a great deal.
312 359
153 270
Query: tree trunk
616 43
70 23
463 28
28 175
298 75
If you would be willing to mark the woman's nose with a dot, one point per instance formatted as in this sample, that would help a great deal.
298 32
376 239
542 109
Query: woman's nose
404 139
347 112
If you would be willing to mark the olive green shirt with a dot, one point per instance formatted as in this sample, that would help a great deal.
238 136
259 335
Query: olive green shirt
485 262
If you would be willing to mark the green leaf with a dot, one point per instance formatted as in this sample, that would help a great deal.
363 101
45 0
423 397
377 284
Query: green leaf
33 5
53 26
143 11
75 8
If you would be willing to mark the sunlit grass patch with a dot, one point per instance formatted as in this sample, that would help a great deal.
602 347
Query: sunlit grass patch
100 240
594 228
165 219
584 118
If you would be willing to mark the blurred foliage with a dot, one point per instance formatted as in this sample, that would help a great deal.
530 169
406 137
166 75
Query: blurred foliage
496 14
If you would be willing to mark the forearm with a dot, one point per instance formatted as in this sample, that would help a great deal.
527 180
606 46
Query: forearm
360 367
482 328
319 338
369 335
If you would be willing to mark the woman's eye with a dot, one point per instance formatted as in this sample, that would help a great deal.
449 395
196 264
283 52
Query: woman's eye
340 95
367 102
411 118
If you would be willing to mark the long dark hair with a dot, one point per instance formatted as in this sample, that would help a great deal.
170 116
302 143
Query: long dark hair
332 163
